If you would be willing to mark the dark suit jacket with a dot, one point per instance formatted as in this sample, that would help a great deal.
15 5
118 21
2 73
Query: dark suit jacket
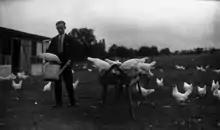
69 47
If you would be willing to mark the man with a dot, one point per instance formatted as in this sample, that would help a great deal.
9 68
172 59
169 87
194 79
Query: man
63 46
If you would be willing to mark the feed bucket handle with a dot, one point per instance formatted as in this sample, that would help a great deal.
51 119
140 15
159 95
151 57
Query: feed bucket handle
67 63
45 64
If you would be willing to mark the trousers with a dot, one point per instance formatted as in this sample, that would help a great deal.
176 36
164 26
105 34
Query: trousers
67 77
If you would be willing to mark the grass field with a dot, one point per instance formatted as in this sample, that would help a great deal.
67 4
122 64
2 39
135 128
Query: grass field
30 109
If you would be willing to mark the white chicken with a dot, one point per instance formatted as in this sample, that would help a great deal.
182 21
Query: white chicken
151 74
180 67
49 57
207 66
187 86
203 70
22 75
177 66
146 67
2 78
99 64
200 68
132 63
214 85
216 93
72 71
145 91
17 86
19 74
25 76
84 67
201 91
111 62
159 82
11 77
180 97
76 84
217 71
47 87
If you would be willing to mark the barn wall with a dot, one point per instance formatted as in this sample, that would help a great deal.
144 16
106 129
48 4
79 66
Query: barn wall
46 45
5 49
25 61
28 52
39 48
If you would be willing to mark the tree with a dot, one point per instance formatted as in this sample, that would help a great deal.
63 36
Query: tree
198 50
165 51
132 53
144 51
148 51
176 53
87 44
153 51
122 52
112 50
98 50
212 50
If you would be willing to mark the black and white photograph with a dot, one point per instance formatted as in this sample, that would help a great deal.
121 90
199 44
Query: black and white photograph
109 64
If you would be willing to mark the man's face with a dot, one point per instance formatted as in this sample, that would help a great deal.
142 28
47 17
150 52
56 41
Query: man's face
61 28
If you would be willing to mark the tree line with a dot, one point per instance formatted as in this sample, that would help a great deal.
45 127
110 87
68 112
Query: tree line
88 45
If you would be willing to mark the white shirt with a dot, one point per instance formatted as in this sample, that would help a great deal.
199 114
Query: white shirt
62 38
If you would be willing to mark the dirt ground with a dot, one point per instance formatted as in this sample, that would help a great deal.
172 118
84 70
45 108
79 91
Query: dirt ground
30 108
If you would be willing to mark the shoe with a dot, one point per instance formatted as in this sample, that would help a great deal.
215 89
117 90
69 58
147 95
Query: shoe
73 105
70 105
57 105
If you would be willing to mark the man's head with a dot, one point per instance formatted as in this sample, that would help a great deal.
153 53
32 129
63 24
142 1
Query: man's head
61 26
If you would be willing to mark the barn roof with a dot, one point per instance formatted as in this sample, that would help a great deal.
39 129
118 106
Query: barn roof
19 34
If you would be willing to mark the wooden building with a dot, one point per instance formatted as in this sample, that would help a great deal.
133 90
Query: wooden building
20 49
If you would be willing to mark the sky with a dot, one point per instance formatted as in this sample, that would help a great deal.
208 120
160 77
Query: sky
177 24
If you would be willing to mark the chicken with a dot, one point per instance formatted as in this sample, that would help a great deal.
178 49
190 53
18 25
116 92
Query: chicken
214 85
22 75
47 87
201 91
17 86
187 86
99 64
207 66
200 68
72 71
2 78
111 62
11 77
159 82
76 84
217 71
132 63
180 97
145 91
146 67
216 93
180 67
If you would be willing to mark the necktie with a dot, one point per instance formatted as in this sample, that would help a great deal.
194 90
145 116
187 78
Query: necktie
60 46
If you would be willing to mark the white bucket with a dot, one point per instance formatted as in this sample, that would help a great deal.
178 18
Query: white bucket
36 69
5 70
51 71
